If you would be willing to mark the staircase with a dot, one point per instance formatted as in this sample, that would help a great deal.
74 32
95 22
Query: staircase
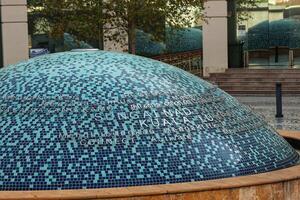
258 81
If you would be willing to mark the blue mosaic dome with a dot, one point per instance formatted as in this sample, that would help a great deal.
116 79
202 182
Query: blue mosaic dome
146 46
183 40
101 120
177 41
71 43
284 32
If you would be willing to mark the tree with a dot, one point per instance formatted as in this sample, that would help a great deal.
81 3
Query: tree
82 18
244 5
88 18
149 15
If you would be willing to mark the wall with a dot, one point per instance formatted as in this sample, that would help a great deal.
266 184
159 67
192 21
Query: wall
14 36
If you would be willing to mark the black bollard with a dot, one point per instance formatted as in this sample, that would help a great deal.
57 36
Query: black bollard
276 54
278 101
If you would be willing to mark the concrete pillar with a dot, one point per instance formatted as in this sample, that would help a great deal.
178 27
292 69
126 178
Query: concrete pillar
215 37
14 31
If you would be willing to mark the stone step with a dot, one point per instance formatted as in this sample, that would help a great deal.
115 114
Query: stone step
263 92
257 83
262 87
247 70
265 79
257 75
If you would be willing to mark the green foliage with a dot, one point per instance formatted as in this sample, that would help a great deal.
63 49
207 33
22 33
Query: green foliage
151 16
84 18
244 5
87 19
55 17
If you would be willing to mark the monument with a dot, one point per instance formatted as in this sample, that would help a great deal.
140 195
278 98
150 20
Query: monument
99 119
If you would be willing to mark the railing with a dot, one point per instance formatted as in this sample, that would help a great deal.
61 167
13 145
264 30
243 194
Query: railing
190 61
280 56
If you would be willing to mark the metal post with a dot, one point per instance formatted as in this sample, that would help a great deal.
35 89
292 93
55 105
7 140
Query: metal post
291 58
276 54
246 59
278 101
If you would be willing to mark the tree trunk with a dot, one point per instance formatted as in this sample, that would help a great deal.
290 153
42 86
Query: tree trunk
100 26
132 37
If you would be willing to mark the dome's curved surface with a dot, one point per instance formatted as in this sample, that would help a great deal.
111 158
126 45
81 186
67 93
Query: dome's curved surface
258 37
98 120
177 41
183 40
70 42
283 32
146 46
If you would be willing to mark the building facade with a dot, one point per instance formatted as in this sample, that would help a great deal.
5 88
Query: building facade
269 38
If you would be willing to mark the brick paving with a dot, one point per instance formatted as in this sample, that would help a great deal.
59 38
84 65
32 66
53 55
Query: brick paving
266 106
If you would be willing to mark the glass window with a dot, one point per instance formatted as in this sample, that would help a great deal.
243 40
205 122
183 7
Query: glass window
272 34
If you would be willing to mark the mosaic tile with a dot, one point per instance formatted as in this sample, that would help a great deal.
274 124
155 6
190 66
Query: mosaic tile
100 119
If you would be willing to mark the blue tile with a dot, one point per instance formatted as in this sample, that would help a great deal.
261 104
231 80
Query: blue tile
172 127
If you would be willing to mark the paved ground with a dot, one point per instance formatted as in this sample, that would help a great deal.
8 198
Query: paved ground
266 106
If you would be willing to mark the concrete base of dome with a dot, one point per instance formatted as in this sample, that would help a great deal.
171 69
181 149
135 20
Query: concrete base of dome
280 184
